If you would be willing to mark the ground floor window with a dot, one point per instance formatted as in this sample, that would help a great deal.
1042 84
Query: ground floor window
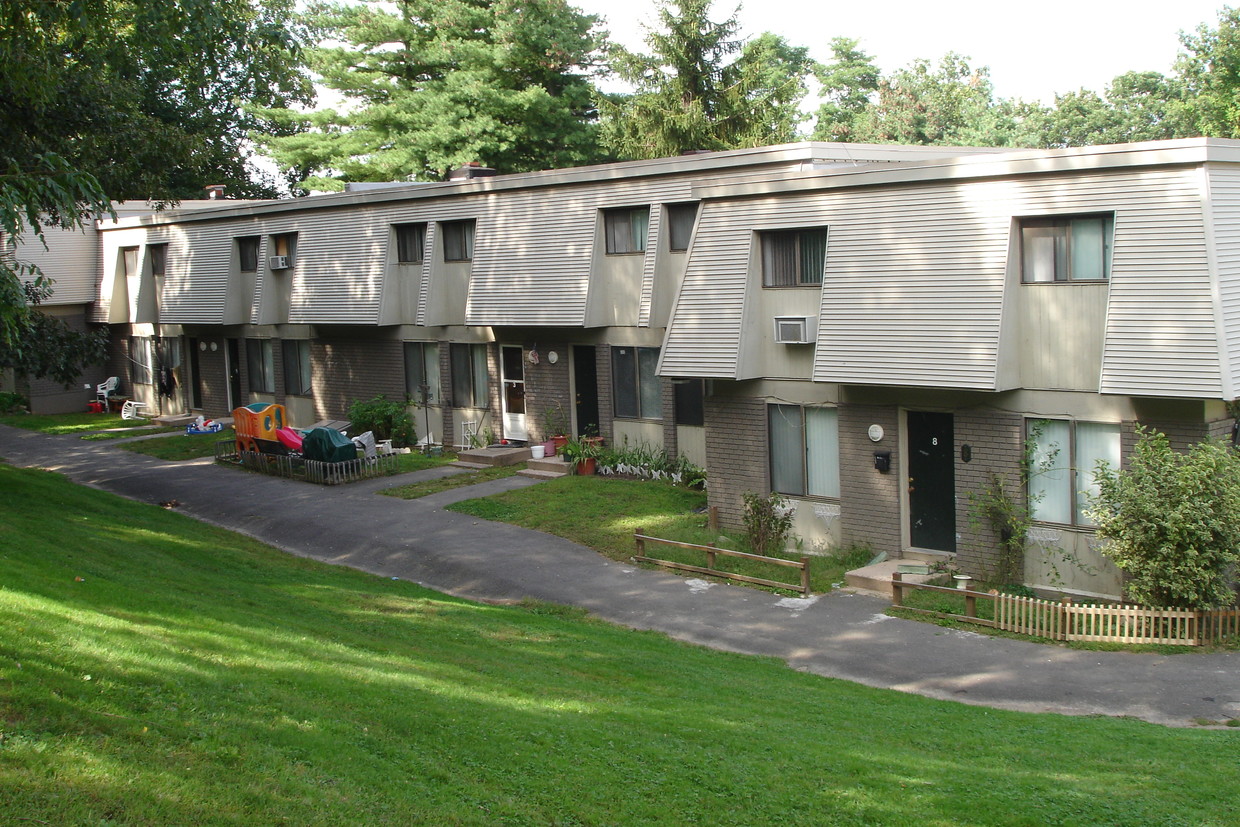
261 364
469 376
635 384
804 450
141 358
422 371
1063 458
297 367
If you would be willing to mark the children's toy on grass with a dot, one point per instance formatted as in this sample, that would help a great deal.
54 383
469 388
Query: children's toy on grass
203 426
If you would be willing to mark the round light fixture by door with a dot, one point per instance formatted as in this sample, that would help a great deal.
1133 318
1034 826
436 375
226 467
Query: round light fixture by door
876 433
553 357
214 347
202 346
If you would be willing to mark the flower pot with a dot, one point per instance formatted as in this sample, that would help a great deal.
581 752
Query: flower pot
587 466
549 448
560 442
537 451
94 407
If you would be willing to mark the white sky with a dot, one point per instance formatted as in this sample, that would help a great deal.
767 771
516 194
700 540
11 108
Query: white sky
1034 50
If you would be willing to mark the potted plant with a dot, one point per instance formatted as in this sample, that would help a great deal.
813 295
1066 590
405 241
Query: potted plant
581 456
555 429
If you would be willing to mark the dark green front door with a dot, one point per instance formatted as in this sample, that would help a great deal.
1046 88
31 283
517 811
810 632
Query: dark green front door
931 481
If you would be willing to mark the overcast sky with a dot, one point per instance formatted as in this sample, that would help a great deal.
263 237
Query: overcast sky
1034 50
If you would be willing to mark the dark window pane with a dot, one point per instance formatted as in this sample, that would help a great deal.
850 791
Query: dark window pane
247 252
410 239
159 259
779 259
690 396
787 440
813 255
624 381
625 230
680 218
648 383
458 240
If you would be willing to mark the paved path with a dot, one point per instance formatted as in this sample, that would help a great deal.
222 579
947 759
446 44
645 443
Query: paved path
838 635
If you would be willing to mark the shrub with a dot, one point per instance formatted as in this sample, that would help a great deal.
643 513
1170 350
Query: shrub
1172 522
768 520
389 419
11 403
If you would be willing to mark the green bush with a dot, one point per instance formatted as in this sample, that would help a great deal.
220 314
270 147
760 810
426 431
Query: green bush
11 403
387 418
768 520
1171 521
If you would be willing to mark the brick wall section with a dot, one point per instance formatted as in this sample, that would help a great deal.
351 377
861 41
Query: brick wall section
214 380
1182 435
736 454
668 392
546 386
447 421
1221 428
346 370
996 440
869 500
606 410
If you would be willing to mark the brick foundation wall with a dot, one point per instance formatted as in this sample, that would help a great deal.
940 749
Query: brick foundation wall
869 500
606 411
346 370
736 454
996 440
546 386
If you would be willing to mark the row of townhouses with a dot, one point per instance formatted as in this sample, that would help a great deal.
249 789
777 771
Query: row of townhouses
872 331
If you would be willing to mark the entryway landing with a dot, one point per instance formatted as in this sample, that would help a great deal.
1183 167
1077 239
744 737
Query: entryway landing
917 566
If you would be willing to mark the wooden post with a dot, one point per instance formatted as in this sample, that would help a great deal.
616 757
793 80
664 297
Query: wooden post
804 576
897 596
970 604
712 518
710 557
641 544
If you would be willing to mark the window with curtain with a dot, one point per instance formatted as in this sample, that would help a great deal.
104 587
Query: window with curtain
680 218
422 367
141 357
625 230
129 261
469 376
159 259
458 240
1071 248
297 367
410 243
261 363
793 258
285 244
636 389
247 253
804 450
1064 457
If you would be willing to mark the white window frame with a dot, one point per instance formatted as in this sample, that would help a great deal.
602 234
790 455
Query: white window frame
625 230
806 272
1061 477
637 391
803 442
1057 249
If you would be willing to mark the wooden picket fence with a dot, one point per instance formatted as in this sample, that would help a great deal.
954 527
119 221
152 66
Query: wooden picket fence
323 473
1066 620
712 552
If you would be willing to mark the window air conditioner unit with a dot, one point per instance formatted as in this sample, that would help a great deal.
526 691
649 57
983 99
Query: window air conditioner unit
279 262
794 330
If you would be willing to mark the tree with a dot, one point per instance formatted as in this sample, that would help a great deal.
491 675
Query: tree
434 84
849 83
1137 106
120 99
1209 68
703 89
1172 522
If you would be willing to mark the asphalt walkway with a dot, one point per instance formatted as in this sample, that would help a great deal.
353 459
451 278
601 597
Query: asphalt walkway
839 635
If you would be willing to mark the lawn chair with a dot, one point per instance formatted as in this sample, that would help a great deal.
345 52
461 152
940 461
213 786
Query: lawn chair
132 410
105 389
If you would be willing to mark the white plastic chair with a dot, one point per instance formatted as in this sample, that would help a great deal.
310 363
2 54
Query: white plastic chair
105 389
132 410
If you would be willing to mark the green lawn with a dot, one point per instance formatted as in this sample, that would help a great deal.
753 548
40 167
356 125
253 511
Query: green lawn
422 489
603 513
69 423
180 446
156 671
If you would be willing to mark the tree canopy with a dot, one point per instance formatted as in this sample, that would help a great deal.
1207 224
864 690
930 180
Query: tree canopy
701 88
433 84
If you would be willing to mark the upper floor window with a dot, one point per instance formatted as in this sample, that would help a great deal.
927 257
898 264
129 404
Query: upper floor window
410 243
1062 462
1069 248
625 230
793 258
129 261
469 376
422 371
805 450
159 259
458 240
635 385
247 253
284 246
296 367
680 218
261 362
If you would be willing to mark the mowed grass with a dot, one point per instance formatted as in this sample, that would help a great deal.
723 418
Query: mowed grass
182 446
157 671
604 513
70 423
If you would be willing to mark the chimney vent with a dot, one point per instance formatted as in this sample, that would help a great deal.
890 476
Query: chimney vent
215 192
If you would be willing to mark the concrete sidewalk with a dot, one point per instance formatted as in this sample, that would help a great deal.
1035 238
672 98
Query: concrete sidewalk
838 635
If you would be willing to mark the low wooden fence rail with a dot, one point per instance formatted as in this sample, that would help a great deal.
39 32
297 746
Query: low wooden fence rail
1066 620
712 552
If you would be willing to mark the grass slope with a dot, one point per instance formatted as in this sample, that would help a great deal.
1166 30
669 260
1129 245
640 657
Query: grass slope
157 671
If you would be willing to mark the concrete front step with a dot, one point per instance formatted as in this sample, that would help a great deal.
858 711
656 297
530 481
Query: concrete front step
877 578
494 456
535 474
928 556
554 464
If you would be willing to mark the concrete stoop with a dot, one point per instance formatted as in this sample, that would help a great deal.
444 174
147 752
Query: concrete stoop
493 456
544 469
877 578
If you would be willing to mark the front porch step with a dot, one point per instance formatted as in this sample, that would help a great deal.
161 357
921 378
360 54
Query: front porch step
535 474
877 578
493 456
928 556
544 469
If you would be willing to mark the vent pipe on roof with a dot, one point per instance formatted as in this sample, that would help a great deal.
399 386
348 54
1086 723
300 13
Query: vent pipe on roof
215 192
467 172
